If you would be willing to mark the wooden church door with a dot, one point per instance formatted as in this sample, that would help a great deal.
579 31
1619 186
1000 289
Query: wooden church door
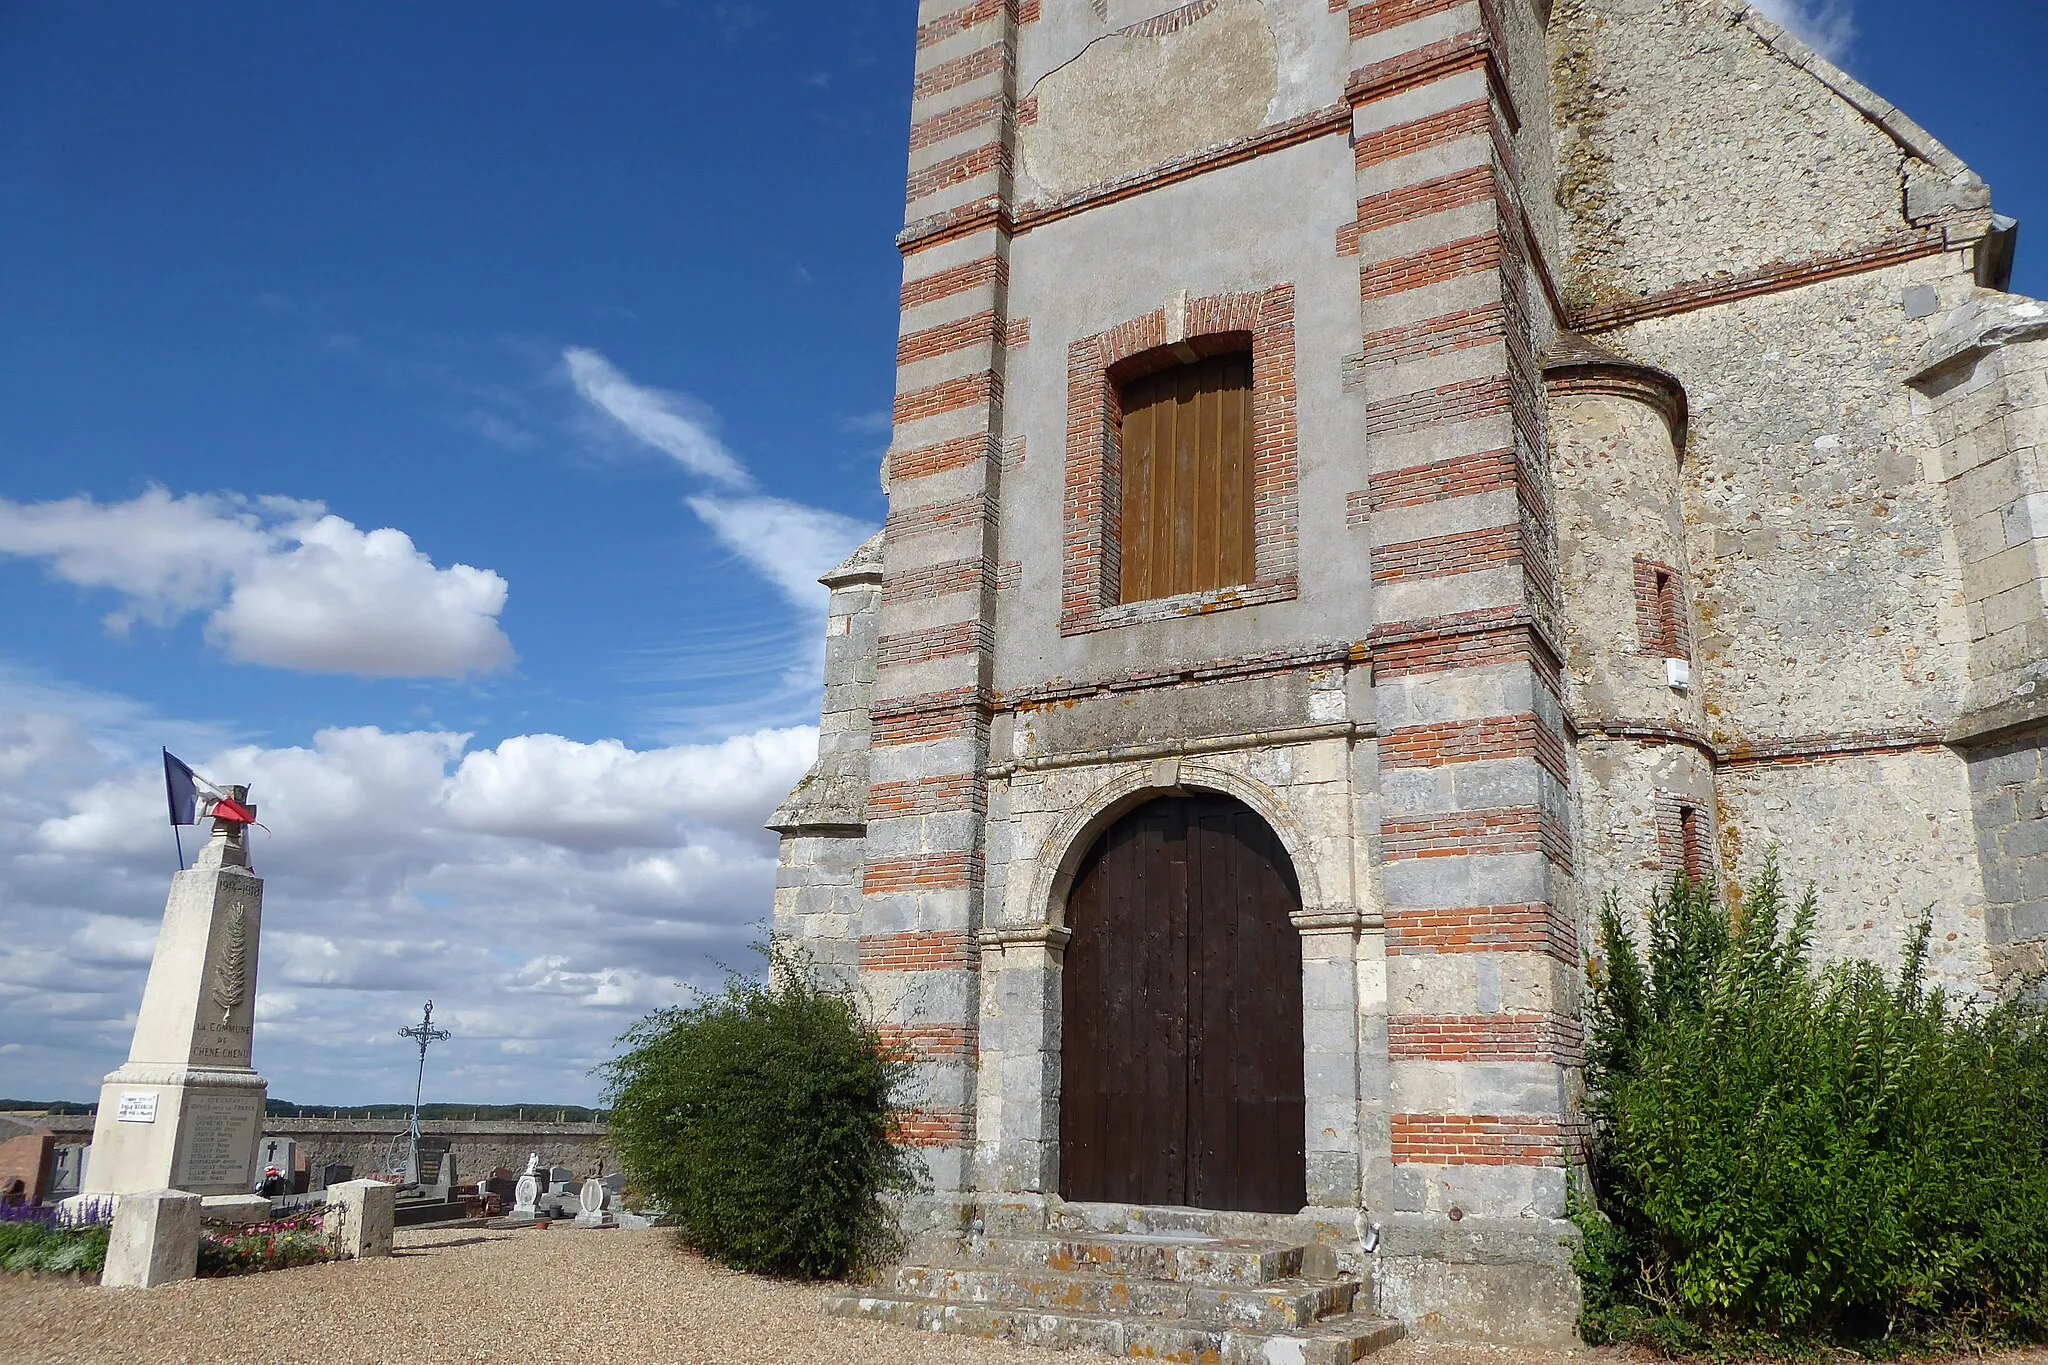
1181 1056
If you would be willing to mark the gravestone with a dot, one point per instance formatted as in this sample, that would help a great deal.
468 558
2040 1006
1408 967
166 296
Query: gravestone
276 1153
560 1178
67 1169
592 1200
435 1166
335 1173
526 1194
185 1110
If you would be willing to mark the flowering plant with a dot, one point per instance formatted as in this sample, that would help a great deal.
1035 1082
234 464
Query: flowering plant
275 1245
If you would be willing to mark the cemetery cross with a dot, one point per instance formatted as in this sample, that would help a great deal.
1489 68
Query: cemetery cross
425 1034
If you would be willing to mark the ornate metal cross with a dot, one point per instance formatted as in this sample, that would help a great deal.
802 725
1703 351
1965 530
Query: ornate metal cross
425 1034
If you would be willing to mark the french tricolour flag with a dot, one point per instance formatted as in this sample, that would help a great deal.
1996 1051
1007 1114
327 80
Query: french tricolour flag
192 796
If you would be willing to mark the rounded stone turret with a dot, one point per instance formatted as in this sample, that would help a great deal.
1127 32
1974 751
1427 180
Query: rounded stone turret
1644 783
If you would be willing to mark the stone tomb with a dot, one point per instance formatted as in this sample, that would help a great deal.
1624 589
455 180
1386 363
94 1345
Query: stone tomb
185 1111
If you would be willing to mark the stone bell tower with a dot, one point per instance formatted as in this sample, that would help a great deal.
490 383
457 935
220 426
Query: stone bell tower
185 1110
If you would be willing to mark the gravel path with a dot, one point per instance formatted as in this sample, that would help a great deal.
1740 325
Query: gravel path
529 1297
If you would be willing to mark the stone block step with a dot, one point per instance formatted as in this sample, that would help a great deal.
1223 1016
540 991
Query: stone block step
1265 1308
1193 1258
1334 1341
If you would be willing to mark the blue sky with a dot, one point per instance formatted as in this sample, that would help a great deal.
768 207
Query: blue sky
597 301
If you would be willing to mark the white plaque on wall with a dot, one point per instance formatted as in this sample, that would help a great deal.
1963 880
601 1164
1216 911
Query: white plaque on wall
137 1106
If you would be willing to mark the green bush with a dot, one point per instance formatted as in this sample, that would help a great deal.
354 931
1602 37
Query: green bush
1805 1157
761 1120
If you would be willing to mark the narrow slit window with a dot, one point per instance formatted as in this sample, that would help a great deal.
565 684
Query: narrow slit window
1692 848
1666 589
1187 518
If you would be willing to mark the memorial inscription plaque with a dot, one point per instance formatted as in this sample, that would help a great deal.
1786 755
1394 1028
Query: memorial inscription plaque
219 1139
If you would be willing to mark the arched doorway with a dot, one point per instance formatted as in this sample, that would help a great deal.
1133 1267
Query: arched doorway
1181 1053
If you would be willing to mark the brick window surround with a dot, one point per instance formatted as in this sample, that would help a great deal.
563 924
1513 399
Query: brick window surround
1097 367
1684 836
1662 630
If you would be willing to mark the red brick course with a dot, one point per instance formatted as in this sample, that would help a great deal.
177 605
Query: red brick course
933 642
949 395
1405 205
1378 16
955 170
987 273
946 76
1475 741
935 1128
955 121
959 714
1529 928
1437 336
1442 556
1476 833
960 21
928 951
941 516
1465 401
943 457
1468 256
924 796
1489 471
934 580
1482 1140
1486 1038
958 335
927 1042
1404 139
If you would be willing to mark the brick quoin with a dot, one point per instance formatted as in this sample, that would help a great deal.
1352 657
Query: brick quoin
1486 1038
1382 15
1476 833
949 396
928 951
960 21
950 75
1464 401
934 1128
1438 336
924 461
1419 66
979 330
1443 556
934 642
1411 202
1405 139
926 1042
941 516
1463 476
934 580
1475 639
925 796
958 714
955 121
988 272
1469 256
1531 928
1481 1140
955 170
1475 741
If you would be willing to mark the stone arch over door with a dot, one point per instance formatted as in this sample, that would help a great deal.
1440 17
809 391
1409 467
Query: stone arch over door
1181 1012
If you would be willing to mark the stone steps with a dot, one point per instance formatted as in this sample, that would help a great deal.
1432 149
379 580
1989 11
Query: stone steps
1164 1286
1269 1307
1332 1341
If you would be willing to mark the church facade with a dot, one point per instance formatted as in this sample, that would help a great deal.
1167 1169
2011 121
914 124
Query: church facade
1368 481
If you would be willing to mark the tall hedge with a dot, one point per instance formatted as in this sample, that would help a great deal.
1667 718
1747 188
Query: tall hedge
762 1119
1811 1155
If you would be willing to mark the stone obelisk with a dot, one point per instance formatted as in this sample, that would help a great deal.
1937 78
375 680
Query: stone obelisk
186 1109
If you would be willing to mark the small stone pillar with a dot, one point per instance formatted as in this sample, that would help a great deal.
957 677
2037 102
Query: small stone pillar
359 1218
155 1240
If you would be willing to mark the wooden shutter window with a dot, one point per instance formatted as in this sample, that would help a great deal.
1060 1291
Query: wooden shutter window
1187 522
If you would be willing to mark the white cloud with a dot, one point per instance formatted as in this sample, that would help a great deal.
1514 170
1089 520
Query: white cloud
1826 26
304 589
670 422
544 891
787 543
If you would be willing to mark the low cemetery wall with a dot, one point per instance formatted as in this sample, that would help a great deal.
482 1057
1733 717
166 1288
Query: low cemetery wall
478 1145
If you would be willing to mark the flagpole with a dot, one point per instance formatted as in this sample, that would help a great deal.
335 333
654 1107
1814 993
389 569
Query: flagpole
180 840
